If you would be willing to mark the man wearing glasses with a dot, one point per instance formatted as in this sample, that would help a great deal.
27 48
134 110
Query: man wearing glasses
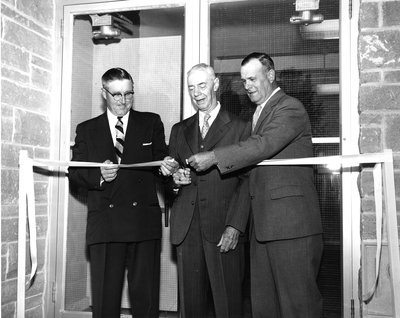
124 217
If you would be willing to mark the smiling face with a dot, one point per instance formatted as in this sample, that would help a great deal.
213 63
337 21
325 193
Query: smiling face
203 89
258 83
118 108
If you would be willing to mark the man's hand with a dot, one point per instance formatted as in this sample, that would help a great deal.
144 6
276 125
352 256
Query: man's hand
229 239
168 166
109 173
203 160
182 177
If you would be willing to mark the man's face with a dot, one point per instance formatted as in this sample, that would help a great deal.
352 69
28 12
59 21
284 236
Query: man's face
118 105
257 82
202 90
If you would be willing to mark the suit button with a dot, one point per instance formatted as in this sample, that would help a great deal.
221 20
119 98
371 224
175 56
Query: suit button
251 197
111 205
192 202
134 203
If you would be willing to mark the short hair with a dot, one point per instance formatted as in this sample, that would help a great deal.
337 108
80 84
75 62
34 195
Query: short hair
204 67
264 59
114 74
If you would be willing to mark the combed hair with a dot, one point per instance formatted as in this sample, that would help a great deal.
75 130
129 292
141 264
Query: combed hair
114 74
264 59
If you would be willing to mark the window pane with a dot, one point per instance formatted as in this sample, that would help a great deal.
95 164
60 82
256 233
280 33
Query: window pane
307 67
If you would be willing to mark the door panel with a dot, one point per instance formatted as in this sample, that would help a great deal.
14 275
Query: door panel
154 54
307 67
219 32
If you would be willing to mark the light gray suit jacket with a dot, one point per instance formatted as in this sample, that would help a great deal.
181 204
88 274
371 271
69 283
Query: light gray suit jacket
284 200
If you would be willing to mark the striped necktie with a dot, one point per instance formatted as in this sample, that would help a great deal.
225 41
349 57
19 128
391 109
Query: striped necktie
206 125
120 138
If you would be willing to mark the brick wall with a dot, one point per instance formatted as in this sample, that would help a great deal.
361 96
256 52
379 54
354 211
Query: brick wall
26 79
379 108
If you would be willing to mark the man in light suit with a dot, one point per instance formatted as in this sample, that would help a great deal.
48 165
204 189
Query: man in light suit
206 227
286 239
124 217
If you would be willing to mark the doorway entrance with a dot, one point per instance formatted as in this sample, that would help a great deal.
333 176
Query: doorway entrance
148 41
307 67
160 41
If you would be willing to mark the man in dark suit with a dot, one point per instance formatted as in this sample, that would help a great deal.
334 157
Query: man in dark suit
286 239
124 217
205 225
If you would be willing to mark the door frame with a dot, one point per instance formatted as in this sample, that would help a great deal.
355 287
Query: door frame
351 201
349 123
66 10
197 49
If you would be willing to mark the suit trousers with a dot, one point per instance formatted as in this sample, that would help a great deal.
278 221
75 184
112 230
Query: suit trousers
108 262
210 282
284 277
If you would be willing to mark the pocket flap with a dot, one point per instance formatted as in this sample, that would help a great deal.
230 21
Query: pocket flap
286 191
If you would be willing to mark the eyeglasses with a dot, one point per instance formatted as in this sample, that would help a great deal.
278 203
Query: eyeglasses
119 96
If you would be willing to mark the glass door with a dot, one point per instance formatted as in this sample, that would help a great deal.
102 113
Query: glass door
307 60
162 40
150 40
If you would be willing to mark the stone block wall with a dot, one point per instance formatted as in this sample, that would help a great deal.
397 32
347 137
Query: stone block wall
379 109
26 83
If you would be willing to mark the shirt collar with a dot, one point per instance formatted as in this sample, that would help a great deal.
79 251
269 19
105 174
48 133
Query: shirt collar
273 93
213 115
112 119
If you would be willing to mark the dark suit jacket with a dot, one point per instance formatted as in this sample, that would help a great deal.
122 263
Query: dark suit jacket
214 193
283 198
126 209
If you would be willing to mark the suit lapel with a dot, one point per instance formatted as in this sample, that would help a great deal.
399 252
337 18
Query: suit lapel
217 129
216 132
268 107
103 140
191 132
131 135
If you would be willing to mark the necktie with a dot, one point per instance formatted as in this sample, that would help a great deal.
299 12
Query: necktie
206 125
256 115
120 137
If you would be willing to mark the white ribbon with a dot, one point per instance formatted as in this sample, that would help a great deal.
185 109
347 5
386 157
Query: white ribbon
27 202
377 173
344 161
59 164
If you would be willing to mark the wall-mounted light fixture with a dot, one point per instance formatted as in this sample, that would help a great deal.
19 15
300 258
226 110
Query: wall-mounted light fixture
326 30
307 14
110 26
